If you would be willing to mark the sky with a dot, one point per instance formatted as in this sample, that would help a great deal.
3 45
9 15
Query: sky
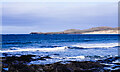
26 17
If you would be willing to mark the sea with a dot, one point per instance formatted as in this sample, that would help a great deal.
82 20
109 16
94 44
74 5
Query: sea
61 47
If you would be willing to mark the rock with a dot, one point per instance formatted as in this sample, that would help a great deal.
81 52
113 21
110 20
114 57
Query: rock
118 70
19 64
73 66
56 54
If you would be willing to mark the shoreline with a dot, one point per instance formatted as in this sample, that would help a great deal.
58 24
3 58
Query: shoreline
95 30
59 34
21 64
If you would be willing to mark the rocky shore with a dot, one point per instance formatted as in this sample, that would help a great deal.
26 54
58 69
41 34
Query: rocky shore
21 64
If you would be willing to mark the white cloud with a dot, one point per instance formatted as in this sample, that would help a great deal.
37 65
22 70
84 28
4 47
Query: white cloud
59 9
47 16
0 12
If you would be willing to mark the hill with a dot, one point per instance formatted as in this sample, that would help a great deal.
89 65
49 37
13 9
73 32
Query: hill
95 30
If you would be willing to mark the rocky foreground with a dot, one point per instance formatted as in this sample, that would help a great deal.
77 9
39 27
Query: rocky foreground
21 64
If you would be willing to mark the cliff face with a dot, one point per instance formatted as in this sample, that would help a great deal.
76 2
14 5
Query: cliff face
96 30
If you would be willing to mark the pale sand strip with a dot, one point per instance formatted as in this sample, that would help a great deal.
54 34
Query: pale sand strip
104 32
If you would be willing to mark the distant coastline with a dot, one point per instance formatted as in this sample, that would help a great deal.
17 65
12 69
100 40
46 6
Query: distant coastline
95 30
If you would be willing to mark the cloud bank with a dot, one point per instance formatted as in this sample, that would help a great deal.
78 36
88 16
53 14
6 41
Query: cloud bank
23 17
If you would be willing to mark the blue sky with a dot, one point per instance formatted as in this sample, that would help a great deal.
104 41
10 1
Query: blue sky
25 17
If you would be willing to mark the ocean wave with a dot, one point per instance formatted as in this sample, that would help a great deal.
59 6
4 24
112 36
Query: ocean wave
58 48
18 42
34 49
79 57
100 45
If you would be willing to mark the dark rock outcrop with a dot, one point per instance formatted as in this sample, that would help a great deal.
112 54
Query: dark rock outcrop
20 64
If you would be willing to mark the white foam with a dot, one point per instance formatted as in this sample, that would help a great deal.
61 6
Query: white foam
100 45
116 61
74 57
79 57
36 49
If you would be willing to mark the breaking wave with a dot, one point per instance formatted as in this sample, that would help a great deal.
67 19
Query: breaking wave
100 45
35 49
77 46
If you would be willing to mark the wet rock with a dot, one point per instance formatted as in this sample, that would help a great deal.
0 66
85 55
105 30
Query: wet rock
109 60
71 66
74 66
4 54
47 57
56 54
115 67
24 58
118 70
19 64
